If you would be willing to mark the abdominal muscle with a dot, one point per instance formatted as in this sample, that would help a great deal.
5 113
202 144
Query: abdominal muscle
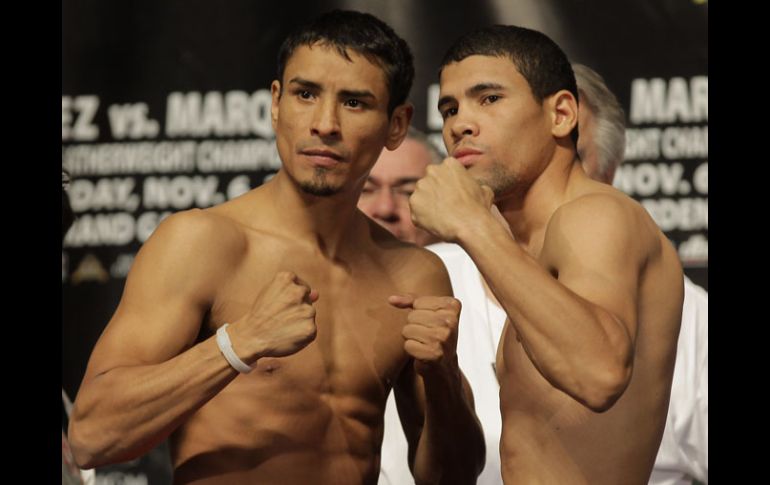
536 417
271 426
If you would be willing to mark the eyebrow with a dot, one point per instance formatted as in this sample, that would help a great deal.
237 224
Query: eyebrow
407 180
346 93
353 93
471 91
304 83
399 181
476 89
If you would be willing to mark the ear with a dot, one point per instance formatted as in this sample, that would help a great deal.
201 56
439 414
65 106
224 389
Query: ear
399 124
275 90
564 113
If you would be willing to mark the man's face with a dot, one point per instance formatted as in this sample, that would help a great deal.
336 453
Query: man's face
330 118
492 123
385 197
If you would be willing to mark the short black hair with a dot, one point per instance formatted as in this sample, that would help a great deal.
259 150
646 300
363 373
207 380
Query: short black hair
365 34
538 58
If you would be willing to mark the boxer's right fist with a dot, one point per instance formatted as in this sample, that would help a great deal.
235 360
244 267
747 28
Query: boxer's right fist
281 321
446 198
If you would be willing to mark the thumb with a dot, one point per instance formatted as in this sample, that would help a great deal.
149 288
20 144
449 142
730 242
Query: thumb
499 218
401 301
489 194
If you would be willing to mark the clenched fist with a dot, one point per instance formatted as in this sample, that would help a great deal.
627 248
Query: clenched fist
430 334
281 321
447 198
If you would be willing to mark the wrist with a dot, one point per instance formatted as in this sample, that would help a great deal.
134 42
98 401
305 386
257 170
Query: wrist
476 227
228 352
443 374
249 347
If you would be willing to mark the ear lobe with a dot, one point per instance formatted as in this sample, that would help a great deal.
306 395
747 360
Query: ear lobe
275 91
564 113
399 125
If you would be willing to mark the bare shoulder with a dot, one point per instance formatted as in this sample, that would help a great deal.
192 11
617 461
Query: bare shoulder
201 226
426 273
603 220
188 248
424 261
197 231
599 207
604 211
398 253
411 266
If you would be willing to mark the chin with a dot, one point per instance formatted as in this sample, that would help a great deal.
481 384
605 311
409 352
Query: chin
321 184
319 189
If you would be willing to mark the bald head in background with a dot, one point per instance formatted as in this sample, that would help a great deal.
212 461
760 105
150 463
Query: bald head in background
602 141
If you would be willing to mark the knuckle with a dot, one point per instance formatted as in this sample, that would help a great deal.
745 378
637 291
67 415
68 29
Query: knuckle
454 304
311 311
284 276
297 293
437 352
409 346
413 347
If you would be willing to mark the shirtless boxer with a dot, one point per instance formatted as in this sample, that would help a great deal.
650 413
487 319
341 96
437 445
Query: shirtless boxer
592 288
323 305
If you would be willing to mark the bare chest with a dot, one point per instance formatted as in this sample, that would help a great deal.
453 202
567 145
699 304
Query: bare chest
358 349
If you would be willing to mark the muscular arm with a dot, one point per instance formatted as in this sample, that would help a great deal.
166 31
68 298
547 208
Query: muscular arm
145 376
435 402
574 309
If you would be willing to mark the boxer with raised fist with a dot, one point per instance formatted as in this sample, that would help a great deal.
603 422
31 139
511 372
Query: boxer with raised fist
591 287
257 335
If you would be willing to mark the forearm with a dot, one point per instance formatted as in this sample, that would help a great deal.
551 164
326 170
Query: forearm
451 448
126 411
576 345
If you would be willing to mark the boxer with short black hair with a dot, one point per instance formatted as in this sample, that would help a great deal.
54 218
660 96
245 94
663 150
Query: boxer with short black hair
262 336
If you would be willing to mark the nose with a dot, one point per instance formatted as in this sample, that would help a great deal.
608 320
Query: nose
462 125
325 122
384 205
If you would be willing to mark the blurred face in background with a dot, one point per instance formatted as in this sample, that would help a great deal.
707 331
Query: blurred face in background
385 197
586 148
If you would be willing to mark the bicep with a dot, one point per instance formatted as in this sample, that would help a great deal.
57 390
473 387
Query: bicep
601 265
165 299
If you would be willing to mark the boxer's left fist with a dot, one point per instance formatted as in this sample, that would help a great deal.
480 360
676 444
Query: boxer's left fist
430 333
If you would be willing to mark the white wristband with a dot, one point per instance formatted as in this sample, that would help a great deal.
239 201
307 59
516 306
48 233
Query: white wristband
226 347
